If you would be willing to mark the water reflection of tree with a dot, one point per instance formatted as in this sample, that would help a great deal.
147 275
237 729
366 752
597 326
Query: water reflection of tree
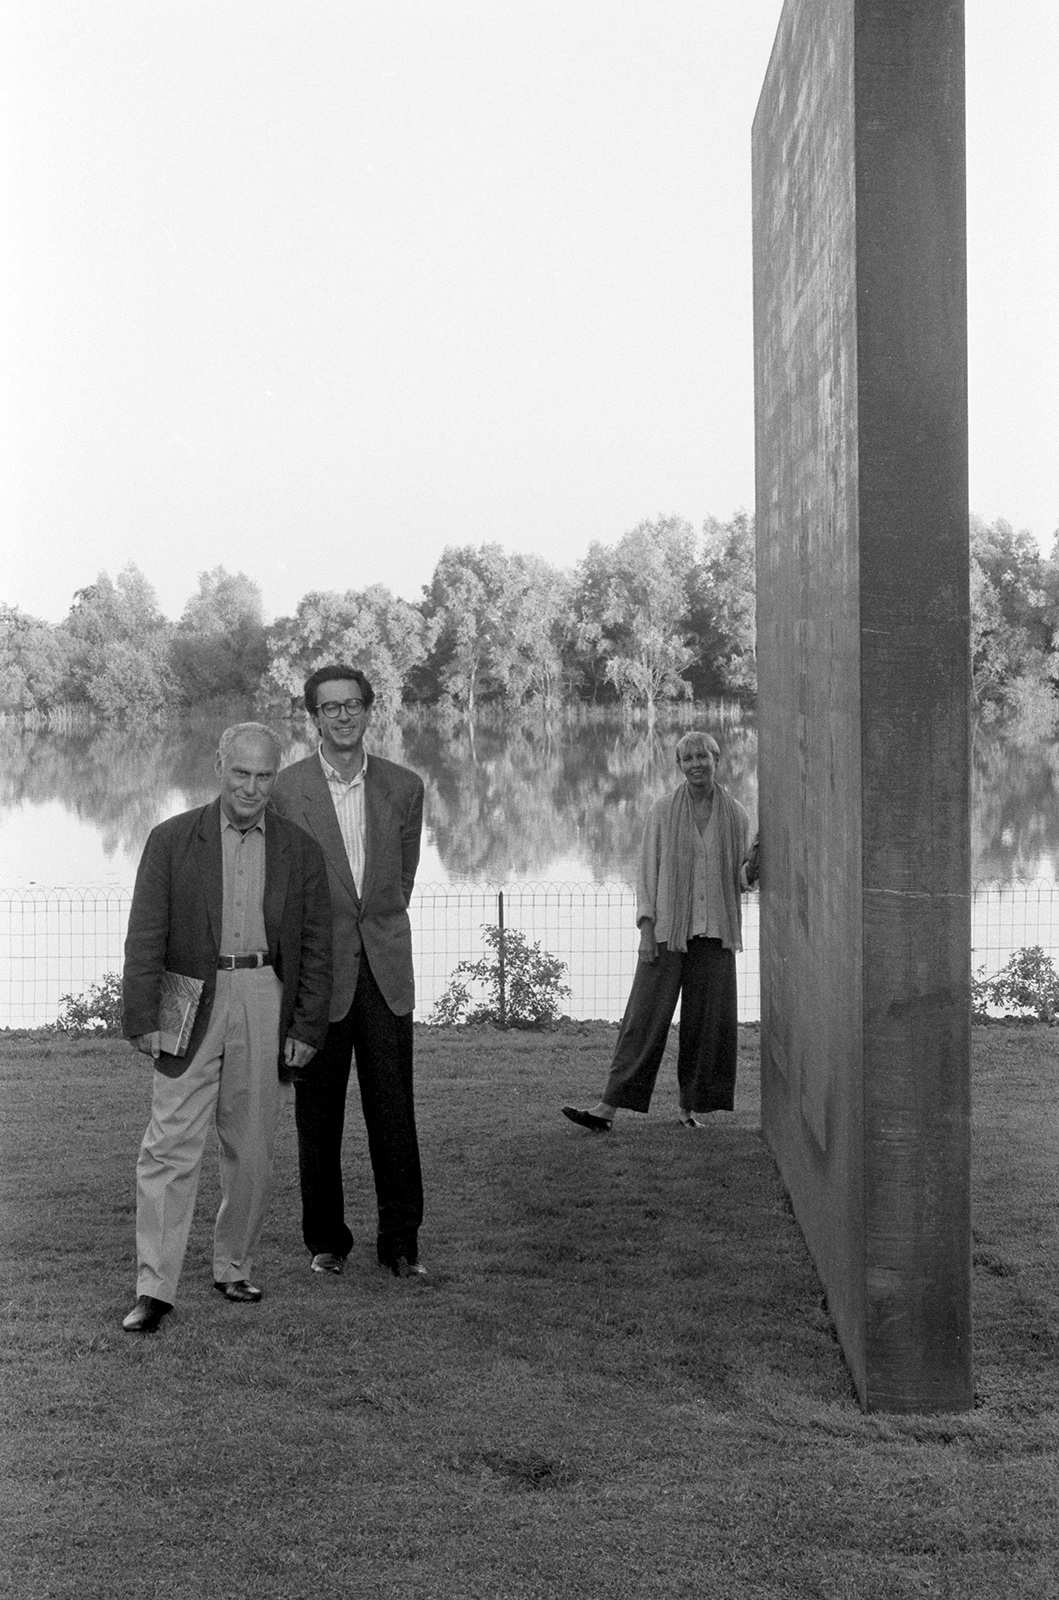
502 802
610 799
118 781
511 803
1015 809
486 809
121 781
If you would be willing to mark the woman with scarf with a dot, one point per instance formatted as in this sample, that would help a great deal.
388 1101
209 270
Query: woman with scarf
695 861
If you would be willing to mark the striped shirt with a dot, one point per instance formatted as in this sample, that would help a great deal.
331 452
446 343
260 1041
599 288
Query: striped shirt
348 801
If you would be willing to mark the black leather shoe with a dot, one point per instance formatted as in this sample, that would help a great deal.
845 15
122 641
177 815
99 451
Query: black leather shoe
146 1315
325 1261
240 1291
401 1267
587 1119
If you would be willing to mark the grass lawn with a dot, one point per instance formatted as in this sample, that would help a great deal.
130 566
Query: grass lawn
619 1380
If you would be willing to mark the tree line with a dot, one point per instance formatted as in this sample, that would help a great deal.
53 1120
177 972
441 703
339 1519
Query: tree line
666 613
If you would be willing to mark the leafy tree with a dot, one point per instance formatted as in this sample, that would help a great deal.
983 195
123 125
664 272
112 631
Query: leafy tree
34 661
1012 648
120 648
721 610
473 599
632 606
134 682
1049 574
541 630
219 647
374 630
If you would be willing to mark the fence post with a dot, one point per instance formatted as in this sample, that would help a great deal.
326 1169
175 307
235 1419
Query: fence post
500 958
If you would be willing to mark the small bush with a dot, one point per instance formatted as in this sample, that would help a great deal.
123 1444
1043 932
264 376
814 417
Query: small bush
94 1014
980 997
523 991
1027 988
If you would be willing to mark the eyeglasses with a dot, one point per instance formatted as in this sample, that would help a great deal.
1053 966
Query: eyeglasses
334 708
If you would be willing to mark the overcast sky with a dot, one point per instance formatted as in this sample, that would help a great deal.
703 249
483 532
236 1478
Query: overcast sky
314 288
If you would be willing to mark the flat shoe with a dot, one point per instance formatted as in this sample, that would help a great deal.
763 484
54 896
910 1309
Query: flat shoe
240 1292
324 1261
587 1119
146 1315
690 1120
403 1268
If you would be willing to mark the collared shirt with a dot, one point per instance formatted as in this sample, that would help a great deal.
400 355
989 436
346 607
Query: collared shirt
243 913
348 800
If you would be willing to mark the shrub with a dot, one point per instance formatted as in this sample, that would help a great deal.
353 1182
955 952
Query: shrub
980 996
94 1014
1028 988
520 982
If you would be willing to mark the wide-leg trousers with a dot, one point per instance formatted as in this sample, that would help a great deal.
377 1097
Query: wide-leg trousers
233 1083
703 977
381 1044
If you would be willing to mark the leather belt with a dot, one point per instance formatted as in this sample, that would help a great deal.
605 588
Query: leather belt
235 963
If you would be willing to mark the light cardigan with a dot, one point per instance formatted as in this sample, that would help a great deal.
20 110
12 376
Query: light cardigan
663 887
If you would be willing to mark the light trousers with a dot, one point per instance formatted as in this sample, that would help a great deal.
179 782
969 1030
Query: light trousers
231 1083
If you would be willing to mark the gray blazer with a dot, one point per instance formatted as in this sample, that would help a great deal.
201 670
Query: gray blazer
376 920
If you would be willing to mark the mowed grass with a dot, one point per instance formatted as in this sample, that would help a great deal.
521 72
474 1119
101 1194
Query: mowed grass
620 1379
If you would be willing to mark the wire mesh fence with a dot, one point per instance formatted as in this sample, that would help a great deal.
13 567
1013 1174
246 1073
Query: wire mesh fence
56 941
589 926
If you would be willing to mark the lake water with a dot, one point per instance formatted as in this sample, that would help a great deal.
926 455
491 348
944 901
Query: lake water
526 805
558 803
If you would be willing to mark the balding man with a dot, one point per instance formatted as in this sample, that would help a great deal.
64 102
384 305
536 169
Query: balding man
236 897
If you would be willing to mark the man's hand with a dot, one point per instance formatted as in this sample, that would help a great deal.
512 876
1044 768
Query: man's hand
297 1054
148 1044
648 943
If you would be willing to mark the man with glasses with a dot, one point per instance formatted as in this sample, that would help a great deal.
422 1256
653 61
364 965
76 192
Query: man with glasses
367 815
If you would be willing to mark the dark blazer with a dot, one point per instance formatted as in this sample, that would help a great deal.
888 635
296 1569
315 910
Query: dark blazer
175 925
377 919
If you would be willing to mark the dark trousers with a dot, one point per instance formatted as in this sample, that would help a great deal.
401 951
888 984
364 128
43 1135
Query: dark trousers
704 979
381 1045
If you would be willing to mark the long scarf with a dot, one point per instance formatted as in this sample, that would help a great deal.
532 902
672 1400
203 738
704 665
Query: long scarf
678 853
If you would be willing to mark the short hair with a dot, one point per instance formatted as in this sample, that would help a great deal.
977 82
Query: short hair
261 730
331 674
696 736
